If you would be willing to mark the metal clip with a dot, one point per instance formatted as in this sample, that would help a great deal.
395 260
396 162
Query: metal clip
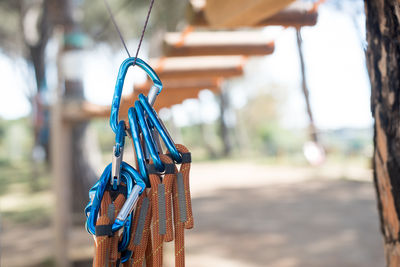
116 167
152 95
127 208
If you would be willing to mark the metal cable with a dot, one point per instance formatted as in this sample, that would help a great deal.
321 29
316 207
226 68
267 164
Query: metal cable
121 37
116 26
143 31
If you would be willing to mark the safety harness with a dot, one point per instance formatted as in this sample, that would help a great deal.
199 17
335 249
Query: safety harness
132 213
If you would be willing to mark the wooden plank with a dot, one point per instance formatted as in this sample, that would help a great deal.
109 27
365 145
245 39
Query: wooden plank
183 84
235 13
248 43
167 98
199 67
174 98
296 15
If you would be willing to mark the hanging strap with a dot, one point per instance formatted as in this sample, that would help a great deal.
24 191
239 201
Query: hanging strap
115 255
140 232
184 173
157 232
179 228
102 242
106 242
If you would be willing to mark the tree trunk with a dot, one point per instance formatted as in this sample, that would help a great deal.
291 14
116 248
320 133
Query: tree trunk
383 54
82 174
224 129
304 87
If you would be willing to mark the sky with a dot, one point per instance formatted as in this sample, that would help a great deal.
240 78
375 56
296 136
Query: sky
335 72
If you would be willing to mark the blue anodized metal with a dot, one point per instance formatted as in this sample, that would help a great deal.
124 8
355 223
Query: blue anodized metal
120 83
169 143
148 137
129 176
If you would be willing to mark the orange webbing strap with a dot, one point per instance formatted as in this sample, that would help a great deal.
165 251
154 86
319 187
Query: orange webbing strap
134 227
102 243
168 181
114 254
140 232
139 251
106 243
149 251
179 228
161 200
185 170
157 246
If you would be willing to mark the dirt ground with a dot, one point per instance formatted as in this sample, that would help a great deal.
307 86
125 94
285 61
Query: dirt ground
253 215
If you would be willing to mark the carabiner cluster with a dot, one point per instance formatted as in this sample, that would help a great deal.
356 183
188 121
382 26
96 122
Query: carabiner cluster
132 213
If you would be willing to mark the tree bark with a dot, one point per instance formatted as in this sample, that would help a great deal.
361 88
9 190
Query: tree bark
383 55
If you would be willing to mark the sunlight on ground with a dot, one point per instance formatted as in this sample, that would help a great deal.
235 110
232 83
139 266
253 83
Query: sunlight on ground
246 214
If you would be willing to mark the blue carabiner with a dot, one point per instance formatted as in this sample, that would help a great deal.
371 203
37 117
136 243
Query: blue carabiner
153 117
120 136
130 176
117 154
148 137
120 83
133 122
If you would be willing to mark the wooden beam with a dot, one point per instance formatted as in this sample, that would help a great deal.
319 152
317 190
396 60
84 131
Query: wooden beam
168 98
296 15
217 44
182 84
235 13
174 98
199 67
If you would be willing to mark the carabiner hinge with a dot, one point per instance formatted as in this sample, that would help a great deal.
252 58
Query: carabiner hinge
116 166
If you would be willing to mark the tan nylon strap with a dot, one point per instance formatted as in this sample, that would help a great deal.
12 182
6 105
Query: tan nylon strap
185 170
114 254
168 180
102 243
179 228
157 246
139 251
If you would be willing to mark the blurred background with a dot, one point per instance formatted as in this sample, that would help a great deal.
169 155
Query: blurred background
275 110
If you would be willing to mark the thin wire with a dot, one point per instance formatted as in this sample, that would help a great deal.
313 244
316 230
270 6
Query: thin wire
116 27
143 31
120 34
105 25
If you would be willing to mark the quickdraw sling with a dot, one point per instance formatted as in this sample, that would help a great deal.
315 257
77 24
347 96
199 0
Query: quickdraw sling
132 213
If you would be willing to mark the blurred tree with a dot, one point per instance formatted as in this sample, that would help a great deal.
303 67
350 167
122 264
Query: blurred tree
28 27
383 54
258 122
224 129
